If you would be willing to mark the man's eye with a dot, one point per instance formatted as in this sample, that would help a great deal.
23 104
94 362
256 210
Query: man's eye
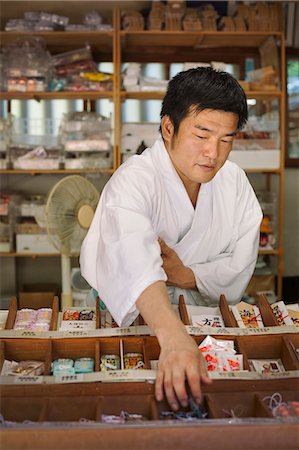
201 137
226 142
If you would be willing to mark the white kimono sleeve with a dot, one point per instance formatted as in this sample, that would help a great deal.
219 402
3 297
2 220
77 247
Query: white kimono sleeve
127 252
230 272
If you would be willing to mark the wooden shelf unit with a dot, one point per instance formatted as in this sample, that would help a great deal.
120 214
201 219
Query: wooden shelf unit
119 46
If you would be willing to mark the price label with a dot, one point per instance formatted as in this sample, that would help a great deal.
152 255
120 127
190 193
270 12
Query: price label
28 379
28 334
78 333
118 374
123 331
69 378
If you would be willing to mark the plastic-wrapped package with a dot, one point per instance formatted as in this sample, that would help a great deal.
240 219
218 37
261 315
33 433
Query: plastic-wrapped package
92 18
57 20
85 138
28 65
220 355
80 54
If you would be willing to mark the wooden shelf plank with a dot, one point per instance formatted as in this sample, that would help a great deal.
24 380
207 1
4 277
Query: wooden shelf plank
58 171
28 255
194 39
275 252
159 95
58 41
65 95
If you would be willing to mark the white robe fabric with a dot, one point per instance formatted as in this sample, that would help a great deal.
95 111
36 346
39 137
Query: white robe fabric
145 199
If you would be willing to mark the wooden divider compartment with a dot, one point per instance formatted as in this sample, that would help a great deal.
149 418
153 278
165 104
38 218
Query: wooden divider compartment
18 349
108 346
293 340
136 345
72 408
267 347
235 404
13 308
132 404
163 406
199 339
19 409
75 348
152 348
267 314
227 316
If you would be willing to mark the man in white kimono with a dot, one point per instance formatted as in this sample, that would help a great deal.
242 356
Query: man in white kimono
178 219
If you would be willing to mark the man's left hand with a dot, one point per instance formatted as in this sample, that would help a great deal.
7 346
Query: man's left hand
177 274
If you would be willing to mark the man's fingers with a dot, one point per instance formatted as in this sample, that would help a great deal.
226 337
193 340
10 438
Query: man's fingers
179 385
193 378
159 386
169 391
164 247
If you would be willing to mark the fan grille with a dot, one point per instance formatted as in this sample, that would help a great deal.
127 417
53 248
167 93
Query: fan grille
66 199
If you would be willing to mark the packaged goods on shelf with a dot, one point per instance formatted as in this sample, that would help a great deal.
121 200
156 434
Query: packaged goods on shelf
137 135
247 316
148 84
132 20
45 21
174 13
256 147
208 16
131 76
205 316
191 20
264 78
85 138
156 17
268 229
28 65
34 243
5 138
38 158
75 318
85 132
37 21
220 355
8 213
281 313
28 133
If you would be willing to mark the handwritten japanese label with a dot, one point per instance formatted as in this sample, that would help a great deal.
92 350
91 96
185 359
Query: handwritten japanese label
28 379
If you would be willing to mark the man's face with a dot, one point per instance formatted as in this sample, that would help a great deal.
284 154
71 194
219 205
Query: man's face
202 144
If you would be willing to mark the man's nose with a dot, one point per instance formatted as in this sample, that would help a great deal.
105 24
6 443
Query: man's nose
211 148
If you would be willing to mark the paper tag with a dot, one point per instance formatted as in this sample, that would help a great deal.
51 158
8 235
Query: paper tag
79 333
69 378
28 379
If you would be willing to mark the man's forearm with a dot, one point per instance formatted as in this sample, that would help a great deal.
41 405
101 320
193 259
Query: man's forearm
157 311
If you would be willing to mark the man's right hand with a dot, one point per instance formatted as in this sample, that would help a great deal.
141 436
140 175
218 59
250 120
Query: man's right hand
180 362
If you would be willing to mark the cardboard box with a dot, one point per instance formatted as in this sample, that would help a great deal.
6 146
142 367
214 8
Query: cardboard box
34 243
256 159
35 300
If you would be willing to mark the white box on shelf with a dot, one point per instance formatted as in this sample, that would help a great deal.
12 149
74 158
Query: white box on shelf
256 159
34 243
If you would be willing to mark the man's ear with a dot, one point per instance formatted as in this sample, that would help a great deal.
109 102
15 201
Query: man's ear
167 128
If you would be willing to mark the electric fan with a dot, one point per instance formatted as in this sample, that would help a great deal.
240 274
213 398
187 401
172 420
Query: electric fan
69 211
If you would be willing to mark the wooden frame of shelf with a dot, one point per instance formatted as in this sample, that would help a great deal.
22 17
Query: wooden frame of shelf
55 171
163 46
28 255
61 95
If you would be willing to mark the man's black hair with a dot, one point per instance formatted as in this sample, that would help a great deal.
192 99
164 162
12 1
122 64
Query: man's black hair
203 88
